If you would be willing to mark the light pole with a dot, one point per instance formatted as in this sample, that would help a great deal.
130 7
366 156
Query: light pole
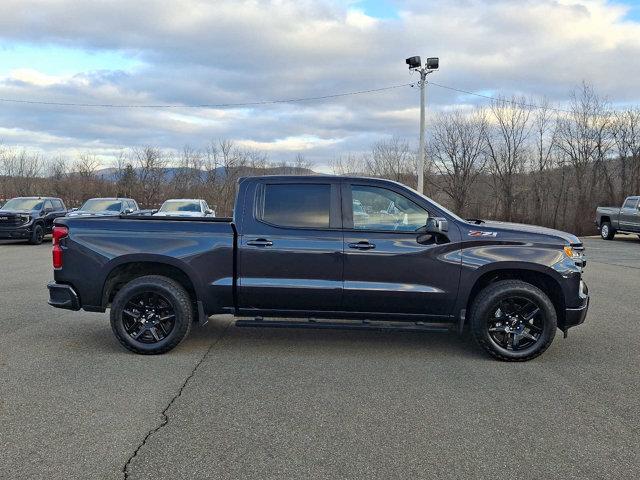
416 64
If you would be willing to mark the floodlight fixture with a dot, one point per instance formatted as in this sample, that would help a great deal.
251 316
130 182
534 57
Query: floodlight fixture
414 62
433 63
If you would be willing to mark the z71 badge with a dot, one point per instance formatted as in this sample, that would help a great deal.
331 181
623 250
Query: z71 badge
479 233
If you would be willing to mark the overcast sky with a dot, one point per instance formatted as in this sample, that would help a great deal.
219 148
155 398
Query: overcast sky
212 52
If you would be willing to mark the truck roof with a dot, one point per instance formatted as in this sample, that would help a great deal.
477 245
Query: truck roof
39 197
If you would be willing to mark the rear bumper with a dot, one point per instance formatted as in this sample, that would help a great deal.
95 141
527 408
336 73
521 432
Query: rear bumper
63 296
576 316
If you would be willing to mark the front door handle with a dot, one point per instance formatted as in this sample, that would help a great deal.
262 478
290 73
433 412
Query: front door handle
364 245
260 242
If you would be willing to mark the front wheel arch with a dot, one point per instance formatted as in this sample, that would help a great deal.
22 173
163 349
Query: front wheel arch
544 281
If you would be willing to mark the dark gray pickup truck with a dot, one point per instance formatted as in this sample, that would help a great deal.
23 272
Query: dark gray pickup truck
626 219
350 253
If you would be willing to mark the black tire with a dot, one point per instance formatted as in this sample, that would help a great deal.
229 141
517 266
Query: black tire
606 231
486 315
37 236
138 324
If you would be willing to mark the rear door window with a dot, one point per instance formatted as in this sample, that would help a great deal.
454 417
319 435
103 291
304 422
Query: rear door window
296 205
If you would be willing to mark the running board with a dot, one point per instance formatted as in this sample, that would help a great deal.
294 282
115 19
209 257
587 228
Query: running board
349 325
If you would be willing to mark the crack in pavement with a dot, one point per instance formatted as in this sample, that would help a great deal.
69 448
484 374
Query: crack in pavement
165 417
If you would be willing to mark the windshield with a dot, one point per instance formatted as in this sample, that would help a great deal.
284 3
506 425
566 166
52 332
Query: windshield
23 204
180 206
437 205
100 205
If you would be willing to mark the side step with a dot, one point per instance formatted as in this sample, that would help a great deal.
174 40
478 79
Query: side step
348 325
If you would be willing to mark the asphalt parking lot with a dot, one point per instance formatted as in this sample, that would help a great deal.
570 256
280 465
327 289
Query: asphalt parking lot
247 403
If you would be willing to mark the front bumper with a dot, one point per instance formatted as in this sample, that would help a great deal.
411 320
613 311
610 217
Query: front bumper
576 316
63 296
15 233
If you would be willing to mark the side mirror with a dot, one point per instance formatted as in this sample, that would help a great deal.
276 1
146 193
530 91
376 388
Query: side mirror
208 211
128 211
434 229
74 209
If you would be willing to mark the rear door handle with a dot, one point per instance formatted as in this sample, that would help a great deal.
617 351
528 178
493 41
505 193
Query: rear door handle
364 245
260 242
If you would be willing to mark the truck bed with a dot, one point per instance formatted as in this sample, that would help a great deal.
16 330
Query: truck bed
200 248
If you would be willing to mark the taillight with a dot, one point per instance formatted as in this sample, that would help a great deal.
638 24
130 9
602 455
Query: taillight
59 232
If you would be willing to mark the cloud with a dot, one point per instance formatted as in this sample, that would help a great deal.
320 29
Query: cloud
194 52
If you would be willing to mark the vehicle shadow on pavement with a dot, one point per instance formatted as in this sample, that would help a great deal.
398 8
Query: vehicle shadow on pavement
287 341
23 243
340 342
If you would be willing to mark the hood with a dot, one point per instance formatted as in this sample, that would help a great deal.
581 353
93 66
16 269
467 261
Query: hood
84 213
178 214
529 229
17 212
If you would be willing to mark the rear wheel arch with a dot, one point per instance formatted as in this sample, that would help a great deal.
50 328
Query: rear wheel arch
125 272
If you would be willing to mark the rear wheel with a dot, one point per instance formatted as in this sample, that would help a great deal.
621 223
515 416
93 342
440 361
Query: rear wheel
37 235
513 320
151 314
606 231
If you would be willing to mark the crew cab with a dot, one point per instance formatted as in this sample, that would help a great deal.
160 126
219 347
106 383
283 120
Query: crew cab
106 207
30 218
294 255
612 220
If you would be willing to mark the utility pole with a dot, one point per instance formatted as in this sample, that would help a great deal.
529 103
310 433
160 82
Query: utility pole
423 86
416 64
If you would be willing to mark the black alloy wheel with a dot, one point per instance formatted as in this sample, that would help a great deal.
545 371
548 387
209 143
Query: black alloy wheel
148 317
151 314
516 323
37 236
513 320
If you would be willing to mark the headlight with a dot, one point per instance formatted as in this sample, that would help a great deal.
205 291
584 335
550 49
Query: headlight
576 255
24 218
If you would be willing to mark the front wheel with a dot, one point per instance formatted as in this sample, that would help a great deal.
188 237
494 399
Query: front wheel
37 236
606 231
513 320
151 314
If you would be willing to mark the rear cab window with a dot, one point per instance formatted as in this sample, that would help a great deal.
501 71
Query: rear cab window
298 205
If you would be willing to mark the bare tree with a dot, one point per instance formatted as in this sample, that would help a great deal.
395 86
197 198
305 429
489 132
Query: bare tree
349 164
22 168
506 141
459 153
582 139
626 133
544 162
392 159
150 173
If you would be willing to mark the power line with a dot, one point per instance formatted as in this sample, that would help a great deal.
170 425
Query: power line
205 105
497 99
273 102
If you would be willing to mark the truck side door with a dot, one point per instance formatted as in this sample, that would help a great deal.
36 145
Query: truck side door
290 246
386 269
630 215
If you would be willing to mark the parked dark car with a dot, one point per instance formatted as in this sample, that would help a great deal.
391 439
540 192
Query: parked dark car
106 207
30 218
626 219
293 251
